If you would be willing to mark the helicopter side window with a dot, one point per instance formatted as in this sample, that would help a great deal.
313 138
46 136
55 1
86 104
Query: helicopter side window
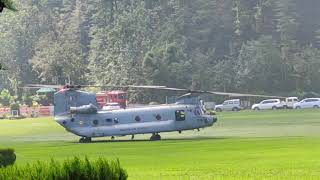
116 120
180 115
137 118
158 117
109 120
95 122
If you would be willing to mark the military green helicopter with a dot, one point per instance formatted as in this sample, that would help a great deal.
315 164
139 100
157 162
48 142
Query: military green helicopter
7 4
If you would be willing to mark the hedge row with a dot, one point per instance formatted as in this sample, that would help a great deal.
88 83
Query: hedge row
74 169
7 157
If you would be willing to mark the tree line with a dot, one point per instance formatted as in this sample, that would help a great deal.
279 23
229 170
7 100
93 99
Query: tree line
249 46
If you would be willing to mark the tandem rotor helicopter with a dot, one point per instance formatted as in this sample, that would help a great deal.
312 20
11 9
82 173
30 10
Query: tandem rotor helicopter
77 111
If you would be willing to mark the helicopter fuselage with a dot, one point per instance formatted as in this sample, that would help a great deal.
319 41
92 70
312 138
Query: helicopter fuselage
163 118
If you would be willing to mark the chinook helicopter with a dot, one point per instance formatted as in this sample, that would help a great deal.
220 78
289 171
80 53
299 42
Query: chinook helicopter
77 111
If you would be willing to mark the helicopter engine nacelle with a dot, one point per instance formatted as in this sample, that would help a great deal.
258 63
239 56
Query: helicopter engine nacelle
85 109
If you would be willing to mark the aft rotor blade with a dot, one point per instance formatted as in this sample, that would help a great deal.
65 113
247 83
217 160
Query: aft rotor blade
31 86
146 87
97 86
127 86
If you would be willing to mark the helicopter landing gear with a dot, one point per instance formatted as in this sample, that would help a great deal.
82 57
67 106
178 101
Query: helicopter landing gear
85 140
132 137
155 137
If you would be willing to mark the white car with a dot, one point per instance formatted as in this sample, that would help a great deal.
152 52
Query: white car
289 102
307 103
229 105
268 104
111 106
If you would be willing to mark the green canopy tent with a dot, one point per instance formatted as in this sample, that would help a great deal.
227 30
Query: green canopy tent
46 90
46 96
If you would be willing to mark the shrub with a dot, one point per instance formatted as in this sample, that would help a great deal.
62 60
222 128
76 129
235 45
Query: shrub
5 97
7 157
73 169
41 99
15 106
27 100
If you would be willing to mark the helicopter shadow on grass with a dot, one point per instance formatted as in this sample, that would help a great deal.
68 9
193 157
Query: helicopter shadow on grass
202 138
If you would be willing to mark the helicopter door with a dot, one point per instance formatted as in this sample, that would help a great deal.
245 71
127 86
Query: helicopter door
181 120
180 115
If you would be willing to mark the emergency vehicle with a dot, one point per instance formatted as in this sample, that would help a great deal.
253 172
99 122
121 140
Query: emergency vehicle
117 96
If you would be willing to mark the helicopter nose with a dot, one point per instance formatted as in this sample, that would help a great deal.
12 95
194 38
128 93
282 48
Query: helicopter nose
212 120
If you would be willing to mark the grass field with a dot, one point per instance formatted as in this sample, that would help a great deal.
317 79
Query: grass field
242 145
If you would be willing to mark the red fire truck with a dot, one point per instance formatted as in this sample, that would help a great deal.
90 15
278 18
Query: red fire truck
118 96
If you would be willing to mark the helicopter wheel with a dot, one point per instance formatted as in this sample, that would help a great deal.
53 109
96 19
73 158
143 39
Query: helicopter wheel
85 140
155 137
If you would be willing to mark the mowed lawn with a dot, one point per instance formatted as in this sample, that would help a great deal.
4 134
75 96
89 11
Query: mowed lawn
282 144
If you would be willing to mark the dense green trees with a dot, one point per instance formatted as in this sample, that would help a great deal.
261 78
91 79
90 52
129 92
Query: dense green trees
252 46
7 4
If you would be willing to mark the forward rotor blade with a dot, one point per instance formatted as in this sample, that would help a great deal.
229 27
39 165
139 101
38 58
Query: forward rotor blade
34 86
210 92
243 95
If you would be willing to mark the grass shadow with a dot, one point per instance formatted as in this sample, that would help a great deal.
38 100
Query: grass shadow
196 138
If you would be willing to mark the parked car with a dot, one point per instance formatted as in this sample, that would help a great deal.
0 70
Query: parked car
289 102
229 105
111 106
209 105
268 104
308 103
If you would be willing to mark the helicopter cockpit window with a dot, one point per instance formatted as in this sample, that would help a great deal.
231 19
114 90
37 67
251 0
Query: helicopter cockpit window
180 115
